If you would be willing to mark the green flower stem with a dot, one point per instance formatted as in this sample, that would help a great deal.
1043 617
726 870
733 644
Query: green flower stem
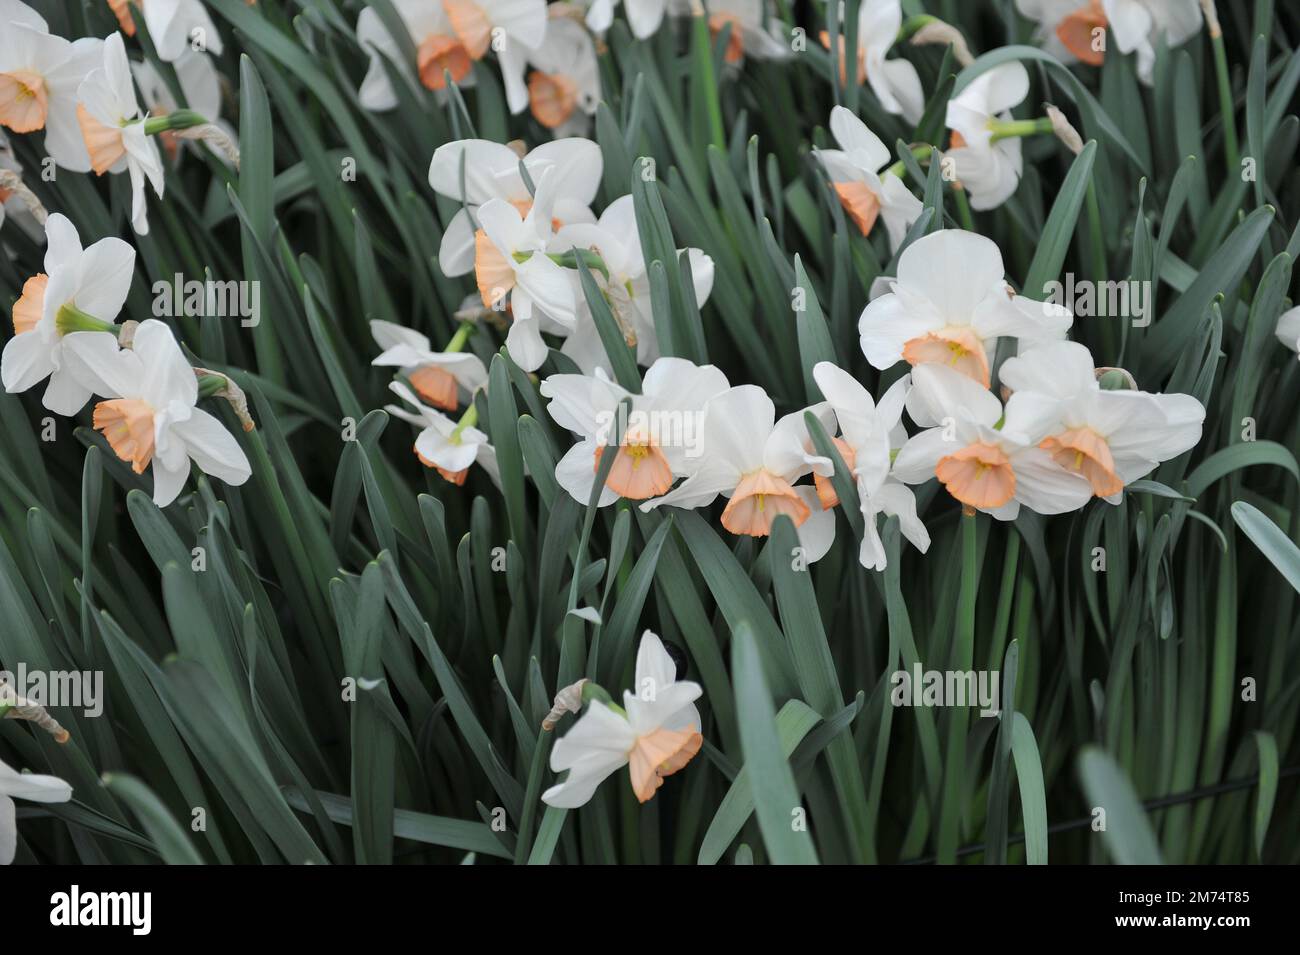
920 153
594 691
1231 151
1098 254
5 708
963 207
569 260
72 319
912 25
467 420
963 653
179 119
458 340
1010 129
209 385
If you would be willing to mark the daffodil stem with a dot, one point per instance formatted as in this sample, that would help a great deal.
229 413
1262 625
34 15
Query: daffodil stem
963 652
912 24
1098 251
569 260
1013 128
209 385
72 319
594 691
467 420
458 340
920 153
1231 151
963 207
179 119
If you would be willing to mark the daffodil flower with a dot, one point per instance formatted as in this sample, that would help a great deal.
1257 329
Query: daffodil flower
1111 438
660 434
987 459
439 378
29 786
508 27
987 165
150 415
624 283
894 82
949 304
1139 25
491 171
174 25
869 434
643 16
857 171
81 292
510 257
200 86
564 82
655 733
447 446
39 76
113 129
754 460
1065 28
1288 329
438 51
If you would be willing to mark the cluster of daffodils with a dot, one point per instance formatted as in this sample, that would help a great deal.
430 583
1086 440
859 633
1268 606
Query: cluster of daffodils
546 53
81 95
66 335
1060 439
524 224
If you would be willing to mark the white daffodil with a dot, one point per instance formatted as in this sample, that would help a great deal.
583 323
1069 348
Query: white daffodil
655 733
1288 329
950 304
510 258
174 25
564 83
643 16
986 459
1138 26
1069 29
150 415
445 445
662 432
113 129
987 166
894 82
439 378
865 190
869 434
438 51
626 288
491 171
39 76
1111 438
754 460
200 86
29 786
80 292
509 27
